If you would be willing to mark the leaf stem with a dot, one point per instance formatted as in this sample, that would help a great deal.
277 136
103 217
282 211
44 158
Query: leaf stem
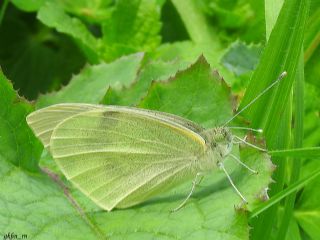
195 21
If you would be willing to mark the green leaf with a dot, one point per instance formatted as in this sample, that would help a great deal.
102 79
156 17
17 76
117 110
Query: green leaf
52 14
40 207
28 5
154 71
202 94
18 145
312 123
312 68
134 26
35 58
187 51
307 210
95 11
92 83
241 58
293 230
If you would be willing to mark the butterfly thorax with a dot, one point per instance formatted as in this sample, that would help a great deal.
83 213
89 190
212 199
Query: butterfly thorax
219 142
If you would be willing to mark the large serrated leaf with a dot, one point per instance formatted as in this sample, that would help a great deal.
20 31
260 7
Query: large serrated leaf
134 26
91 84
200 93
154 71
38 208
53 15
18 145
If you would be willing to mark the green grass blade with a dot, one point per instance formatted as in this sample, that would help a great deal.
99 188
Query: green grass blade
312 152
281 195
262 227
273 111
298 140
280 54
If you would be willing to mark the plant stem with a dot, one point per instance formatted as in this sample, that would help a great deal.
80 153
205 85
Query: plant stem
195 21
3 10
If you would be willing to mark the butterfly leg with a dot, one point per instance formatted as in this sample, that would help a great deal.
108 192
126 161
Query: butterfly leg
243 164
221 166
194 183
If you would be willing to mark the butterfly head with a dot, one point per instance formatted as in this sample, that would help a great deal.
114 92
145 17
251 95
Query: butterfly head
221 141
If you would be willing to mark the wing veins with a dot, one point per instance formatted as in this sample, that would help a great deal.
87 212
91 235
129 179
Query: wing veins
162 180
109 151
178 159
117 133
142 184
113 179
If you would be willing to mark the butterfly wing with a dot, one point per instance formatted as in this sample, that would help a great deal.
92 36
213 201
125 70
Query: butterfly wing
121 156
43 121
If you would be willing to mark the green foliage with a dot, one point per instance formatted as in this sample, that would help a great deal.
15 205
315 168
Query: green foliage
36 58
205 98
140 19
92 83
163 55
241 58
18 146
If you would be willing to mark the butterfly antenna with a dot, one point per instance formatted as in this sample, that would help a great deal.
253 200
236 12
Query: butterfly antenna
246 128
221 166
281 76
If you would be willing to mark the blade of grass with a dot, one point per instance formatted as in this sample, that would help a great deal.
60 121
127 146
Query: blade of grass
281 195
262 227
271 14
312 152
273 111
298 139
290 64
281 54
312 36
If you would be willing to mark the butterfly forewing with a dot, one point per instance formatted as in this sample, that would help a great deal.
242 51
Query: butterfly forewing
122 156
45 120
